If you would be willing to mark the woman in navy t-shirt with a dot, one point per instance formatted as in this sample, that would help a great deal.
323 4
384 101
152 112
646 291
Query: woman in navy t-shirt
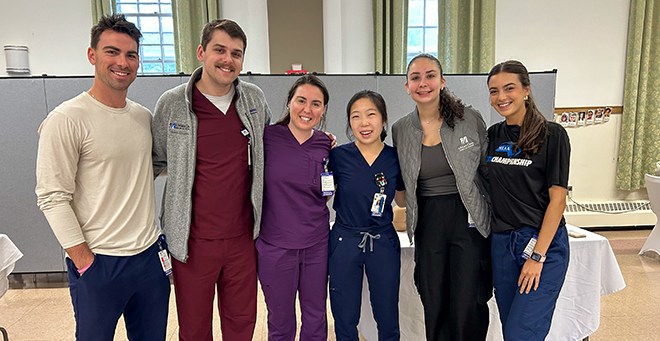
368 178
528 160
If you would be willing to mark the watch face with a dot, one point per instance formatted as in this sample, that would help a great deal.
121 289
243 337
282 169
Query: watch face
537 257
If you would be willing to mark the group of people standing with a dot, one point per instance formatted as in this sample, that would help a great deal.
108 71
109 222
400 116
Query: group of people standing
245 200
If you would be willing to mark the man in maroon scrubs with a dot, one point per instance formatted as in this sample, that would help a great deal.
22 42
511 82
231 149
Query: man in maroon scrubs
208 134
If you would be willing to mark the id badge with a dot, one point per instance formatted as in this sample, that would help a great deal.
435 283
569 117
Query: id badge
529 248
471 224
378 205
327 184
165 262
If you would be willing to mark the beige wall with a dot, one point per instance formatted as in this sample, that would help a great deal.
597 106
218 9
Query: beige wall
295 34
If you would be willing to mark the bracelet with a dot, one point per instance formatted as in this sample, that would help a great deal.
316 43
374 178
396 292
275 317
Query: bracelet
81 271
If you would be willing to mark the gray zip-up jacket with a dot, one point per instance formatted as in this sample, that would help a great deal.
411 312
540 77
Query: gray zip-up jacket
465 147
174 130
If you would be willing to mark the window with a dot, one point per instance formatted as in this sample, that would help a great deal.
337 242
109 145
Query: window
422 27
154 19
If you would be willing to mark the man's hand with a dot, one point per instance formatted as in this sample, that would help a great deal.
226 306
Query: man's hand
81 255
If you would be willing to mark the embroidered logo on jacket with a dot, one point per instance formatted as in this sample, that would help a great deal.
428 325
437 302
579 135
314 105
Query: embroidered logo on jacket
179 128
465 144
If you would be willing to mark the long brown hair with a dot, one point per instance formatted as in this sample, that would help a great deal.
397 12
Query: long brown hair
311 80
450 107
534 128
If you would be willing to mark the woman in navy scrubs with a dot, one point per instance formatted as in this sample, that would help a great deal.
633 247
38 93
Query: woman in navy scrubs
367 175
528 162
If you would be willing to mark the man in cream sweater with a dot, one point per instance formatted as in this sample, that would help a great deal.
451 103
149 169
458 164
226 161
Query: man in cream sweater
95 187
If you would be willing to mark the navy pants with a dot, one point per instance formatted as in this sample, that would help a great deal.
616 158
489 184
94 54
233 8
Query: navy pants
134 286
380 258
527 316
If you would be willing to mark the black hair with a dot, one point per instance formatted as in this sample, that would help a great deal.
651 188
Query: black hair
377 100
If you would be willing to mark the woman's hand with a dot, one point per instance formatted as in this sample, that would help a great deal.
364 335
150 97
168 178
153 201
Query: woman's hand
530 276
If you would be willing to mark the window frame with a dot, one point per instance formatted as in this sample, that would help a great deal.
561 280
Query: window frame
423 28
163 61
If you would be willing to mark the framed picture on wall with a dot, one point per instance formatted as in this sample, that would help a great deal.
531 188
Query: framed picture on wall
572 119
581 118
590 116
599 115
607 113
564 119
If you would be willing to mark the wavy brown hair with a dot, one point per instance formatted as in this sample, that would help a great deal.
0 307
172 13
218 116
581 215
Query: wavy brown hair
534 128
450 107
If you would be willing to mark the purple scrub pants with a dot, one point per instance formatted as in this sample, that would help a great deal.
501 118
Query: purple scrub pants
285 272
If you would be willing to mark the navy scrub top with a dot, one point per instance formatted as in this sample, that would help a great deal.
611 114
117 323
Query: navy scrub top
356 185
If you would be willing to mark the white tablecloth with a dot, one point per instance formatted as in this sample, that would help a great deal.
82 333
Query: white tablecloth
9 254
592 272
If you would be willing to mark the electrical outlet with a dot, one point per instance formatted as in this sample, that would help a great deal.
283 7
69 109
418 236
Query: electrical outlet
569 190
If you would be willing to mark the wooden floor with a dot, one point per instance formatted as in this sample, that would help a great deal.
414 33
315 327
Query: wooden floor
43 311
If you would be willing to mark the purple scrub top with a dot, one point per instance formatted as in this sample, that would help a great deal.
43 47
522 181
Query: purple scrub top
295 214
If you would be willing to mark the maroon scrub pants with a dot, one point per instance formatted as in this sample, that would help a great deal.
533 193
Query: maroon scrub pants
285 272
230 266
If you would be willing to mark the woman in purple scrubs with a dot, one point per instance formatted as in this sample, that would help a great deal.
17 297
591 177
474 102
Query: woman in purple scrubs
292 247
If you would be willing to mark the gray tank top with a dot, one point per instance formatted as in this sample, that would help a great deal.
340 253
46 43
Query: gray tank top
435 175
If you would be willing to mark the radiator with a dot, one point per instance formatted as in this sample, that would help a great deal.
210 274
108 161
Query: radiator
610 214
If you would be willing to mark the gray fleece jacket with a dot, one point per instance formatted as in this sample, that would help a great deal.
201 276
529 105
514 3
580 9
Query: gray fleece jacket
174 130
465 147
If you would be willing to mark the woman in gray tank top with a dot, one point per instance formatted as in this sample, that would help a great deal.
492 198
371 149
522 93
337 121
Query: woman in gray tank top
441 147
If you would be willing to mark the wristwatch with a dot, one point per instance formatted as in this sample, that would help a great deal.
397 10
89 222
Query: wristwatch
537 256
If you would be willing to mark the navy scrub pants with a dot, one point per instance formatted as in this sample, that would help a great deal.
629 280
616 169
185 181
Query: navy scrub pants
380 257
134 286
527 316
452 271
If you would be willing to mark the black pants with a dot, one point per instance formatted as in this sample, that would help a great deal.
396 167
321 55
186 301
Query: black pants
452 271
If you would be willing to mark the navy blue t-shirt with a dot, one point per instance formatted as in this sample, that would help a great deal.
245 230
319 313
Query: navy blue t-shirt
519 184
356 185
